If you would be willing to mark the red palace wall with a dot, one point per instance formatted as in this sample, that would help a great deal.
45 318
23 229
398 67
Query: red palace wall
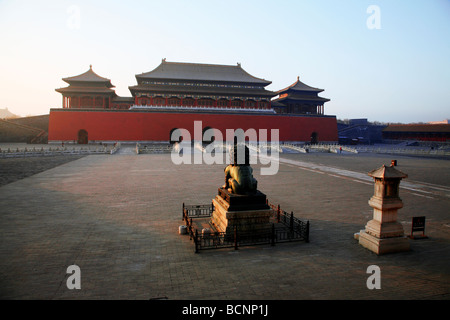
64 125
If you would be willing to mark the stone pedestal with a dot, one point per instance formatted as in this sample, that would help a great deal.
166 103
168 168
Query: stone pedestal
383 234
250 213
382 246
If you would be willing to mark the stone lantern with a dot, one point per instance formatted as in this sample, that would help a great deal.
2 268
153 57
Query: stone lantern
383 234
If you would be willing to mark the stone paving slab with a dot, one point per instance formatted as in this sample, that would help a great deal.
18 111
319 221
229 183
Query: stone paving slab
117 218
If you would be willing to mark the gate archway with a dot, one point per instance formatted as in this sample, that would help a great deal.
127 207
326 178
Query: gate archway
170 137
314 138
82 137
207 140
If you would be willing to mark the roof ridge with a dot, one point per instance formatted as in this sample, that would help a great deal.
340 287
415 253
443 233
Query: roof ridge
84 74
302 83
201 64
202 71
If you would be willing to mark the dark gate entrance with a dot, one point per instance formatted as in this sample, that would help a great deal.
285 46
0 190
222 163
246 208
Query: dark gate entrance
207 140
314 138
170 137
82 137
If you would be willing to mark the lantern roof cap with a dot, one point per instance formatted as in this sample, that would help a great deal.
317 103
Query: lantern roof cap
385 172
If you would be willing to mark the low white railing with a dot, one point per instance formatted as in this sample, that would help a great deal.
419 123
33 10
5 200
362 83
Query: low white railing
405 151
148 149
33 151
334 148
115 148
294 147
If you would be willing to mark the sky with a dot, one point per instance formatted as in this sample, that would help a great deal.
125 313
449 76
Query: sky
386 61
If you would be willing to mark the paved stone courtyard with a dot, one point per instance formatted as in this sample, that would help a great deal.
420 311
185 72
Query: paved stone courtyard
117 218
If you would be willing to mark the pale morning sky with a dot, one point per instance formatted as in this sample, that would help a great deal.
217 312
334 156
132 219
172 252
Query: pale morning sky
382 60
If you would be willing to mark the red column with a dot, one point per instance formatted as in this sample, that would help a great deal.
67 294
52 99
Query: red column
229 103
195 102
166 102
151 101
181 102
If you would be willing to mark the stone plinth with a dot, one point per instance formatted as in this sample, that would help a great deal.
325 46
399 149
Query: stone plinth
383 245
250 213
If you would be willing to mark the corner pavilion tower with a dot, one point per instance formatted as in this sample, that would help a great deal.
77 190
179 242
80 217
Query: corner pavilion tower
87 90
299 98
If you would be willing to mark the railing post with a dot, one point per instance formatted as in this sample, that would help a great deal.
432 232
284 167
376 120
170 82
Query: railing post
235 237
291 222
272 242
196 241
307 231
278 213
183 212
190 228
